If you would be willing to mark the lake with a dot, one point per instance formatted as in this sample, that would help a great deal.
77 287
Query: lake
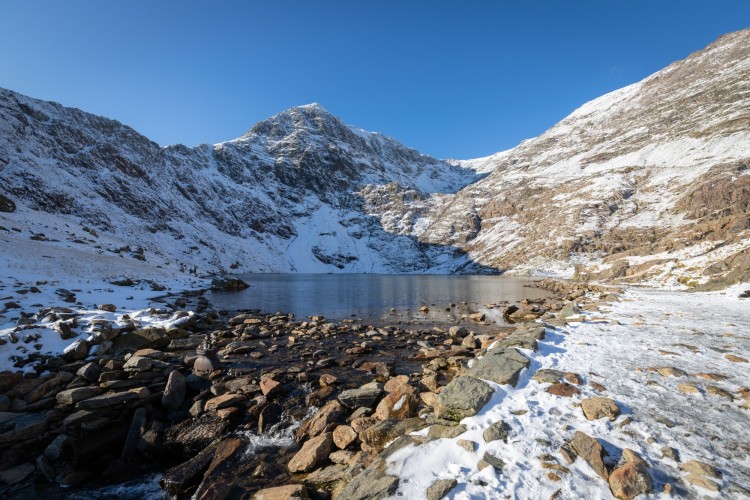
372 296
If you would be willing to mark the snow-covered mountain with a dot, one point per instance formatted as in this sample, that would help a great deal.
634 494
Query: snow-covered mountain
648 182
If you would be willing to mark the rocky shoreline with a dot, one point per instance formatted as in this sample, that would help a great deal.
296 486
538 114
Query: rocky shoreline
295 409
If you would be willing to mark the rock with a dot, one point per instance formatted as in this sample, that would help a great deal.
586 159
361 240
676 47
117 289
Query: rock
104 400
286 492
228 284
630 480
701 468
385 431
90 372
697 480
343 457
361 423
224 401
329 478
6 204
717 391
365 396
401 402
174 391
76 351
371 484
440 431
490 460
21 427
73 396
463 397
107 307
269 386
599 407
548 376
467 445
501 366
671 371
458 331
314 452
269 416
153 337
478 317
134 433
323 421
16 474
181 478
591 451
632 457
343 436
688 389
327 379
497 431
440 488
563 389
670 453
736 359
4 403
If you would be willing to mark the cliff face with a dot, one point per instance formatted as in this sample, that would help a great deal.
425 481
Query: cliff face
647 182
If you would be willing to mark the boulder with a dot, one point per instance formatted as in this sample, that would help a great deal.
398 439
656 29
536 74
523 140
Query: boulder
458 331
439 431
90 372
501 366
323 421
313 453
371 484
175 390
228 284
591 451
343 436
700 468
440 488
463 397
72 396
365 396
563 389
599 407
497 431
224 401
629 481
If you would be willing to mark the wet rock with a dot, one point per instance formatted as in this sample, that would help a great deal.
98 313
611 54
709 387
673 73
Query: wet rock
548 376
327 379
286 492
193 437
385 431
599 407
700 468
563 389
501 366
463 397
365 396
269 416
181 478
73 396
314 452
497 431
591 451
174 391
344 436
323 421
440 488
630 480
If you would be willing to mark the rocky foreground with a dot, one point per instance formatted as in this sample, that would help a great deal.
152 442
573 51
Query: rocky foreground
309 409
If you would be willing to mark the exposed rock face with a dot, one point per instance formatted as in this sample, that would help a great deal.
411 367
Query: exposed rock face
659 167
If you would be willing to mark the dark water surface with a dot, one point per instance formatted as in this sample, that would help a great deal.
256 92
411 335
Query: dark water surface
369 296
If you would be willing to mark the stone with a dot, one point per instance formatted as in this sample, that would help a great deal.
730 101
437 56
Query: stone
361 423
371 484
365 396
228 284
269 416
736 359
327 379
670 453
688 389
632 457
343 457
344 436
563 389
76 351
458 331
286 492
467 445
671 371
548 376
21 427
16 474
139 364
73 396
174 391
490 460
573 378
313 453
498 431
386 431
440 488
107 307
698 480
90 372
105 400
182 477
224 401
501 366
269 386
600 407
400 402
440 431
323 421
700 468
591 451
630 480
463 397
718 391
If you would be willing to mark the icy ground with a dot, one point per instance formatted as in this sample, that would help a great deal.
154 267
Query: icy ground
614 347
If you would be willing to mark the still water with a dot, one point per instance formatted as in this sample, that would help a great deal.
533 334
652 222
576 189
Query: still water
340 296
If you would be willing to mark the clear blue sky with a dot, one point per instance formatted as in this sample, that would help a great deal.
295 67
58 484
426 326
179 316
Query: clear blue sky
453 79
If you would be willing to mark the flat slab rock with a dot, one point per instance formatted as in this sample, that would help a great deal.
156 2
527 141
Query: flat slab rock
501 366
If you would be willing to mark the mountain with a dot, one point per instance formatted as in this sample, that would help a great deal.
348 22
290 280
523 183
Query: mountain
647 183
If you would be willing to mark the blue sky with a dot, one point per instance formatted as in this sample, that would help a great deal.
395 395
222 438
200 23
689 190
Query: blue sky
452 79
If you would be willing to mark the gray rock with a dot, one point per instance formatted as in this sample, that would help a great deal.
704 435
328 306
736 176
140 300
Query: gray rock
548 376
371 484
439 431
497 431
458 331
489 460
90 372
501 366
463 397
4 403
174 392
385 431
440 488
104 400
72 396
365 396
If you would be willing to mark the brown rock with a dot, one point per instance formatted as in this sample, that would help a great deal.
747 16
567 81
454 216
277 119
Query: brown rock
632 457
563 389
701 481
440 488
718 391
629 481
573 378
327 379
700 468
591 451
401 402
735 359
396 382
313 453
323 421
224 451
671 371
269 386
286 492
598 407
688 389
467 445
361 423
223 401
343 436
